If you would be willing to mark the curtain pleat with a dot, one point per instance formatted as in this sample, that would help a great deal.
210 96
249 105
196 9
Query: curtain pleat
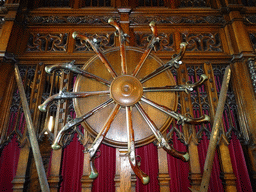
8 164
106 167
72 166
149 165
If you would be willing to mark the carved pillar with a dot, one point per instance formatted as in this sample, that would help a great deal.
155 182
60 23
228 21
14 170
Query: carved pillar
163 176
55 177
227 175
195 175
242 86
85 180
125 180
20 178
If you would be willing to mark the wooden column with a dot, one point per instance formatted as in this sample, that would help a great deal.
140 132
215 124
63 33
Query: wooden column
125 180
195 175
60 120
85 180
163 176
227 175
242 85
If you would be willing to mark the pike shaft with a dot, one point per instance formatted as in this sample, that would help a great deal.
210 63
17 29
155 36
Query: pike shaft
32 136
215 132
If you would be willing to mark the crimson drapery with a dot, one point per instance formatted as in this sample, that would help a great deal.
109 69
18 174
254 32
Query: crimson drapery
8 164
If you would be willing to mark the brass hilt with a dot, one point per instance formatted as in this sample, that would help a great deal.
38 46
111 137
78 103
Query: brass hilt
144 178
153 28
94 173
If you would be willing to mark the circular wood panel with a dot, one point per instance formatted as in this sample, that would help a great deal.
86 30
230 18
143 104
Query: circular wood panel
117 135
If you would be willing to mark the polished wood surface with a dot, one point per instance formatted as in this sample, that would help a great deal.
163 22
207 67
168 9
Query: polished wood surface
117 135
228 19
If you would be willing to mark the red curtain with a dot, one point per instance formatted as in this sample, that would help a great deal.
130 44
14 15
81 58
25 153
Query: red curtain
8 164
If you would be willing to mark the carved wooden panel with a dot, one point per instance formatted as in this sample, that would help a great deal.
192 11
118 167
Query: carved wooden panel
194 3
178 19
166 41
203 41
104 40
253 40
74 19
47 42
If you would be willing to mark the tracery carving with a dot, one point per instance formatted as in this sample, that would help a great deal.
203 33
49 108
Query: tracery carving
166 41
253 40
192 19
52 42
200 102
193 3
203 41
56 19
104 40
252 69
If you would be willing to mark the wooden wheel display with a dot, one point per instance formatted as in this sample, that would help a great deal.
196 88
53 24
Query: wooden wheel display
128 102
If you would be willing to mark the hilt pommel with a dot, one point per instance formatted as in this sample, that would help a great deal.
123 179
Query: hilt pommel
55 146
183 44
48 70
152 24
74 35
186 157
110 20
42 108
145 180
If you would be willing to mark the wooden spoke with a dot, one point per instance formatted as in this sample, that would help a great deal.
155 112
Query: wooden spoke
77 121
122 39
184 156
70 66
149 48
131 148
175 61
96 49
180 118
69 95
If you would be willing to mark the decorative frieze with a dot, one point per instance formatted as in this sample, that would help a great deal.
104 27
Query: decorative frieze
166 41
193 3
50 42
104 41
252 69
253 40
178 19
203 41
57 19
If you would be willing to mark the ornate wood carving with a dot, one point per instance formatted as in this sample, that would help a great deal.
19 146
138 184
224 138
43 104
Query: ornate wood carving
253 40
178 19
104 41
42 42
203 41
58 19
194 3
252 69
166 41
